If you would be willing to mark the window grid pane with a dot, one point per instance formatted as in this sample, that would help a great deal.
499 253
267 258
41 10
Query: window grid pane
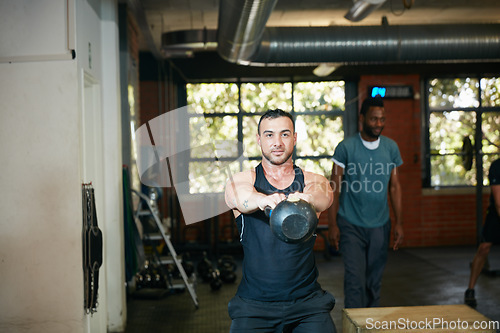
206 130
318 96
219 126
491 132
259 97
447 130
318 135
453 93
453 111
448 170
251 149
490 92
212 97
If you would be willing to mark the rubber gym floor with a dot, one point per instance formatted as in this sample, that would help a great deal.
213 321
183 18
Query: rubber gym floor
413 276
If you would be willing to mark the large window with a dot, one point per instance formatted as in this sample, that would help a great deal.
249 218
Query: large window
232 111
459 111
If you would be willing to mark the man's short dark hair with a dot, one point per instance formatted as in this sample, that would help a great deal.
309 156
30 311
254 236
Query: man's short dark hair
273 114
369 102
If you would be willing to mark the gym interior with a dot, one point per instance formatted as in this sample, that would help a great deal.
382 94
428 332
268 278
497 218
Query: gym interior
98 237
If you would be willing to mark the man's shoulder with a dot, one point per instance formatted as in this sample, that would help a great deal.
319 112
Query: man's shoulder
244 176
350 140
494 172
495 164
312 176
388 141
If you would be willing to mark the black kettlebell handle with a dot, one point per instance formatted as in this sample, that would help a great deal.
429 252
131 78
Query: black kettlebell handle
268 210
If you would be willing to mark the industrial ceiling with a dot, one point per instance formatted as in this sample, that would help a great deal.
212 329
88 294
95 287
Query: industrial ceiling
315 31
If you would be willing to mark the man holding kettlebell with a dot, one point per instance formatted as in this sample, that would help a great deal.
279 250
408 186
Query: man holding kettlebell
279 291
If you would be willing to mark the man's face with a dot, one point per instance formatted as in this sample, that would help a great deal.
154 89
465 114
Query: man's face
277 139
373 122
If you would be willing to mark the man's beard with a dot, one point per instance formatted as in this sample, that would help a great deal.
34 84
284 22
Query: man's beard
370 132
277 160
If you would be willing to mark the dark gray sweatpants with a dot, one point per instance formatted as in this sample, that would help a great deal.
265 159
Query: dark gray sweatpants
306 315
364 253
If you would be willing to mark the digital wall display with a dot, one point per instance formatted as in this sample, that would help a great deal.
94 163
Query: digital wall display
391 91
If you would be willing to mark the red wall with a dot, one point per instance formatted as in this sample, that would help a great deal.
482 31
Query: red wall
149 101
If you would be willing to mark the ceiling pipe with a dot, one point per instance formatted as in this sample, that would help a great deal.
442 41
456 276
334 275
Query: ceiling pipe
185 43
297 46
240 27
242 38
378 44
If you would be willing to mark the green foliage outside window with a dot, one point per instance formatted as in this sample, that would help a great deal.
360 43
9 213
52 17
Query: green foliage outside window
259 97
453 93
490 91
456 108
317 108
318 96
318 135
219 128
213 97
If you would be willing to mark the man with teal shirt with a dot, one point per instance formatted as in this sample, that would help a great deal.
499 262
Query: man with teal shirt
364 175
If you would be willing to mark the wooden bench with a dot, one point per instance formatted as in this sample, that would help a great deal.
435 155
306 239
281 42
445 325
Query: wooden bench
432 318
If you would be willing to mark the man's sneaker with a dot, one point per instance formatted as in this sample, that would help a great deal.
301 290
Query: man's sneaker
470 298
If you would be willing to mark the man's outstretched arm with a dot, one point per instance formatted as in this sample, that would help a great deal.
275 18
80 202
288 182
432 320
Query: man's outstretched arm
242 196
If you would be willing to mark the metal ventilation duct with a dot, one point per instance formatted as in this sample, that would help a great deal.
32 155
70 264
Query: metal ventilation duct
289 46
377 44
240 27
184 43
243 38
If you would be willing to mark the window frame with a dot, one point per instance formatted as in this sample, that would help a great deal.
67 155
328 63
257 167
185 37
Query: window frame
333 114
477 135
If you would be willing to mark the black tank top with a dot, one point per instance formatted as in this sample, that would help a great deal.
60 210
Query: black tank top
272 269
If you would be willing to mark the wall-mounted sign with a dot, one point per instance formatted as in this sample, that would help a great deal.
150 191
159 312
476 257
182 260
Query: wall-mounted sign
391 91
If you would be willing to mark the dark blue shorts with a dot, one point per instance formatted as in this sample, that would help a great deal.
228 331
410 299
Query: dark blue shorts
308 314
491 230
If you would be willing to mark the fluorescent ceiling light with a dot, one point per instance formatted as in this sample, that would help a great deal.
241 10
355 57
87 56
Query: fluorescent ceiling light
325 69
362 8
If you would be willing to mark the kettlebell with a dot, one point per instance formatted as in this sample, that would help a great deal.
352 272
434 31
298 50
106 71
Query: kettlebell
227 268
292 220
215 282
205 268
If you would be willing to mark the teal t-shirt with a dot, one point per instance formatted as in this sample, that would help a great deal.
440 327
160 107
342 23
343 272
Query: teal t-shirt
364 185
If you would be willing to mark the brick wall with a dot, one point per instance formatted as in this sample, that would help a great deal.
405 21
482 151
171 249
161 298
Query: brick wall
149 101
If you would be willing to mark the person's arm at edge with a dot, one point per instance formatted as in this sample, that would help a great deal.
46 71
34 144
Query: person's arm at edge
333 230
397 206
495 191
